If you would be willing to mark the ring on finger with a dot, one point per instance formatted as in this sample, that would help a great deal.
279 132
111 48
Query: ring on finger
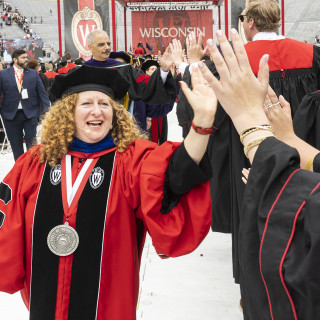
275 104
270 105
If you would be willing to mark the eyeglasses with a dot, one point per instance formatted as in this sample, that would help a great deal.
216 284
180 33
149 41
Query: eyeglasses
241 17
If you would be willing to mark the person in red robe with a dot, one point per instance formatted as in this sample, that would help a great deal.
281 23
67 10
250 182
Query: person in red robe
140 50
63 66
74 210
68 57
50 73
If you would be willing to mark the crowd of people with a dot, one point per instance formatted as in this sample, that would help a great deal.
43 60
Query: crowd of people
248 165
10 16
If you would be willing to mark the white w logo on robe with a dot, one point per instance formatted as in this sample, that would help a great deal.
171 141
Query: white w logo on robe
96 177
55 174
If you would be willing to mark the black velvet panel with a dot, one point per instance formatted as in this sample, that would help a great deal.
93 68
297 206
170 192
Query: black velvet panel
5 193
87 258
45 264
141 232
2 217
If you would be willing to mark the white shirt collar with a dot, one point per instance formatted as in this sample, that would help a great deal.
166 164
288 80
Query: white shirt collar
267 36
17 69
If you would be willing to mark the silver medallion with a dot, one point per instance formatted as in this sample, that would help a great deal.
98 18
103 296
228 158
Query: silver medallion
63 240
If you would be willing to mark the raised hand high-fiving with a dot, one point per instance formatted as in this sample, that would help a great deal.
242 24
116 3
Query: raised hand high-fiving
240 93
201 98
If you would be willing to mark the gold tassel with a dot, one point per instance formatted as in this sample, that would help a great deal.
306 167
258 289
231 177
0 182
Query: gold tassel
126 101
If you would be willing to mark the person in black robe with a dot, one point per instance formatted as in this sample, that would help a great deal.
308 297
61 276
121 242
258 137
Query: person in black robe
306 119
294 71
279 220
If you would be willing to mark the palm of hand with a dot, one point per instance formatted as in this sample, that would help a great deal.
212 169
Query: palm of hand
165 60
242 91
176 51
195 53
203 100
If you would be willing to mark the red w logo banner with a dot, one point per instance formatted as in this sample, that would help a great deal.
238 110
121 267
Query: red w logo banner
81 17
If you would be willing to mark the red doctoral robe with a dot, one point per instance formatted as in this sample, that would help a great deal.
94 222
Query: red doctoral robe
100 280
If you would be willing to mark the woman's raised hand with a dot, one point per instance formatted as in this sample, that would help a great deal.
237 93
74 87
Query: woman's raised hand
240 93
201 98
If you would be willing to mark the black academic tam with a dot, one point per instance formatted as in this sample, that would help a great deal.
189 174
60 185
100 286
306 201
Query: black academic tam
88 78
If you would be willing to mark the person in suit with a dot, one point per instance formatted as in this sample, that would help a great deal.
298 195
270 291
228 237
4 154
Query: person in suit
24 99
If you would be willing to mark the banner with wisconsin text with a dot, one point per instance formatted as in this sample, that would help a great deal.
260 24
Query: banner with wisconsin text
80 18
156 29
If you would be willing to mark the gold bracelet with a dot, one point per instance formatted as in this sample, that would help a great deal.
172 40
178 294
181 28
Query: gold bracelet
263 126
246 132
252 144
309 163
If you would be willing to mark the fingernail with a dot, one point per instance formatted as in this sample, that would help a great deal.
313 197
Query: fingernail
267 57
234 31
179 83
210 42
200 64
219 33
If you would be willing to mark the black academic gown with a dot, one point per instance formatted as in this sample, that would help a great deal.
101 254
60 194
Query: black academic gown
294 72
307 118
279 236
218 153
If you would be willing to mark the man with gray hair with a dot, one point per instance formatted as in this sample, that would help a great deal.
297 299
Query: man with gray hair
158 88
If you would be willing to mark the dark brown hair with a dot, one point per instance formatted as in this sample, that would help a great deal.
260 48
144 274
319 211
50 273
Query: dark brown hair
33 64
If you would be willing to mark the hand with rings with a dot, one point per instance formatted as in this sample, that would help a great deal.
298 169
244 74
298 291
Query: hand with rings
270 105
278 112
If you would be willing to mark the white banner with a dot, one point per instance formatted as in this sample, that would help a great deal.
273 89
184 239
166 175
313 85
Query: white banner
161 6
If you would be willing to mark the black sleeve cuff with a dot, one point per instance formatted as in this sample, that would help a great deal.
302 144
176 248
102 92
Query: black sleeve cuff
181 176
316 163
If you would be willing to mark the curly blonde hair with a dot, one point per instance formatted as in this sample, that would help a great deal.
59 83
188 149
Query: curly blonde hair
59 129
